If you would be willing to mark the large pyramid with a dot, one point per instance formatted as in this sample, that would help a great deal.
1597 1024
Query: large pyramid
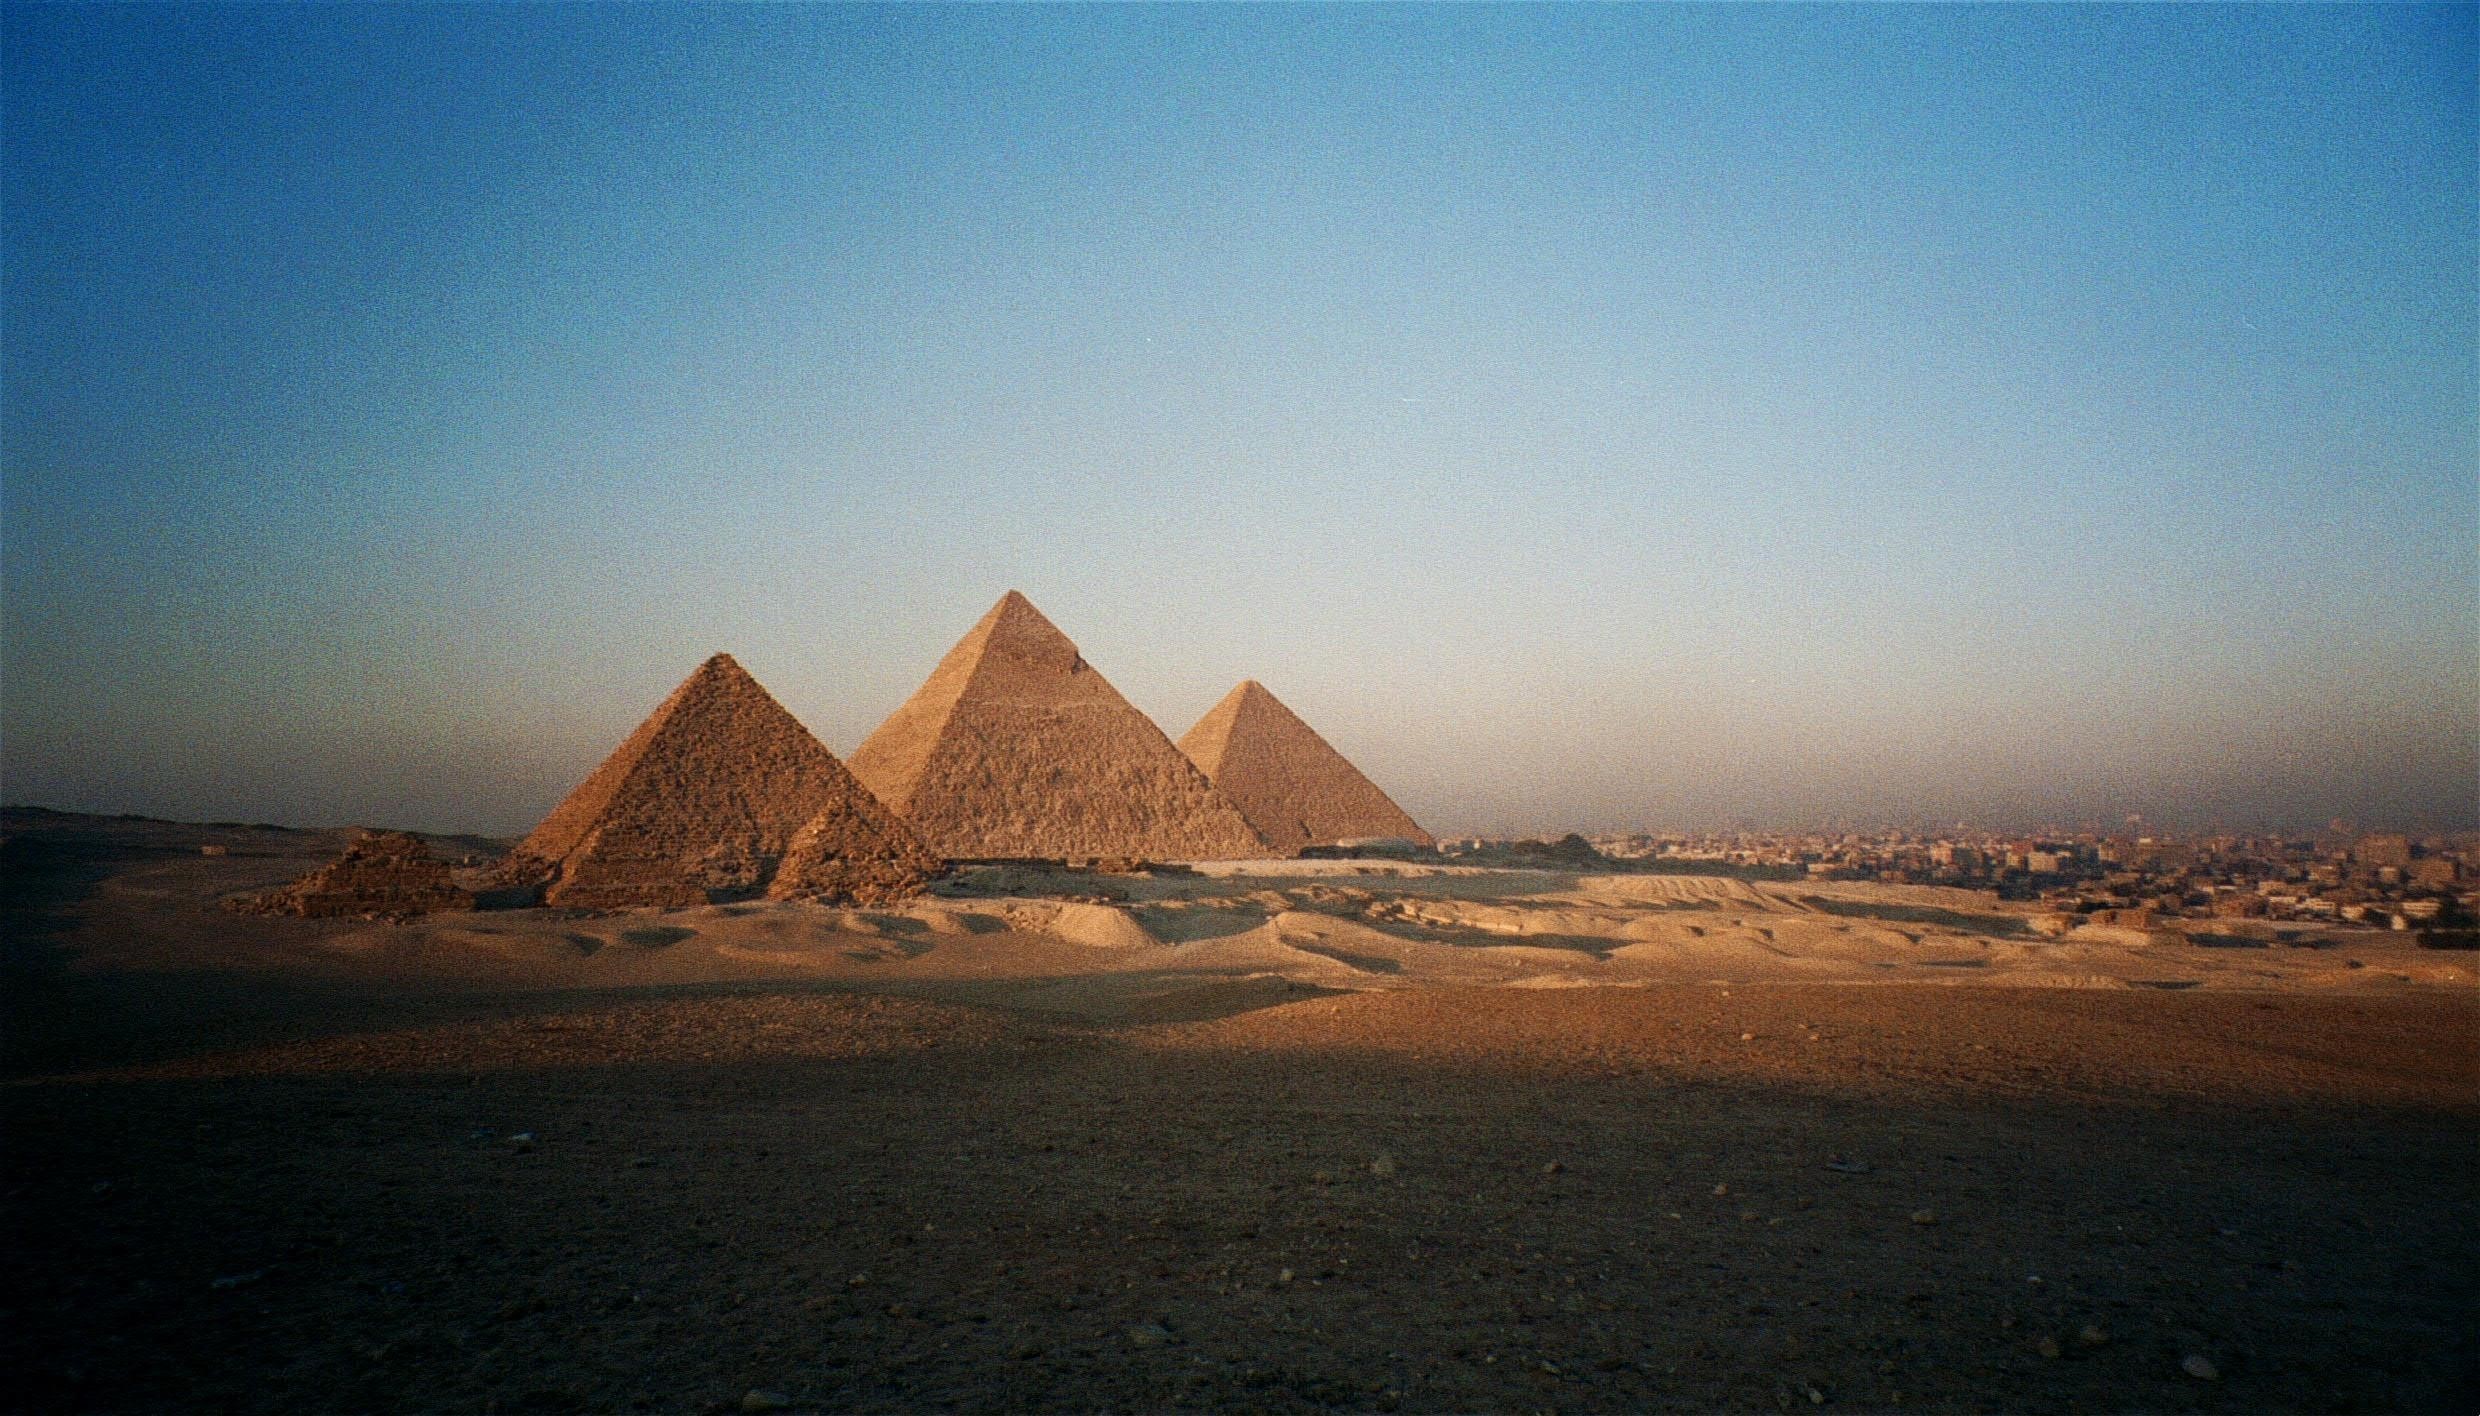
719 794
1016 747
1294 788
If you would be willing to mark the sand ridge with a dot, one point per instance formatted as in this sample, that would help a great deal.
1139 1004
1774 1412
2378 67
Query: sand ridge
1360 926
1106 949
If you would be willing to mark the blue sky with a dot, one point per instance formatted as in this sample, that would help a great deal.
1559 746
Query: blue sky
1585 416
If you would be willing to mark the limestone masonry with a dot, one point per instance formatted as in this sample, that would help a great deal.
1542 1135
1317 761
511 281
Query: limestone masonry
1015 746
380 873
1293 787
720 794
846 856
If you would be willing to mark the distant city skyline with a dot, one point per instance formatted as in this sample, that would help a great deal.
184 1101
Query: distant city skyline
1590 418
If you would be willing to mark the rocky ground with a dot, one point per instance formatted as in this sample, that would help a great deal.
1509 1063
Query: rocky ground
288 1189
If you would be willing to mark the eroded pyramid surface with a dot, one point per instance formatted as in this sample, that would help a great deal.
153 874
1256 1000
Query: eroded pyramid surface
1290 783
865 858
1016 747
705 801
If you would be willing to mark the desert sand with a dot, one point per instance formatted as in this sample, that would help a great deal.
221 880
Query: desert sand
1271 1135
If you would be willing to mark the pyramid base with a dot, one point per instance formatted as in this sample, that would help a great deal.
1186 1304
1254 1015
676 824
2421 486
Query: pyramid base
856 884
600 881
625 897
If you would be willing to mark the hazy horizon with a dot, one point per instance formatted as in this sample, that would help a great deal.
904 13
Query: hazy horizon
1585 418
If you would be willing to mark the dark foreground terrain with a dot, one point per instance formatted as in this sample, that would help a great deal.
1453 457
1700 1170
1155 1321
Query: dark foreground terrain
1756 1199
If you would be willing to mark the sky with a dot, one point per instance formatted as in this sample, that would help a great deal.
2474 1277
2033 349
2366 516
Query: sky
1596 417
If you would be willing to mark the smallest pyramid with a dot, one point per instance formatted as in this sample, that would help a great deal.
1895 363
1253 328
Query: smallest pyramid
1293 787
380 873
852 857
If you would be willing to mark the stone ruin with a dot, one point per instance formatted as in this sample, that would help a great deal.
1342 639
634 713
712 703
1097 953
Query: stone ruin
382 873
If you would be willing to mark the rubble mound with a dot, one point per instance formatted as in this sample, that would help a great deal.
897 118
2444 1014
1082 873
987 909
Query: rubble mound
1016 747
720 794
1289 782
380 873
1568 852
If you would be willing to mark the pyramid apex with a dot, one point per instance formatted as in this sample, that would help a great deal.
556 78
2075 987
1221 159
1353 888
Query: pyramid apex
1015 628
1252 694
719 669
1013 606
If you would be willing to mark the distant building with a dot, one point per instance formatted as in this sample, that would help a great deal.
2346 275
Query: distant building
2384 849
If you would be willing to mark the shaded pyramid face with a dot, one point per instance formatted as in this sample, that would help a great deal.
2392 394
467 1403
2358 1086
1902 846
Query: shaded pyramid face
858 857
1015 746
706 801
1294 788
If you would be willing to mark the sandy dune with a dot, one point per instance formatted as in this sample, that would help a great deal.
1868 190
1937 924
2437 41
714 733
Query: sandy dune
1332 925
139 902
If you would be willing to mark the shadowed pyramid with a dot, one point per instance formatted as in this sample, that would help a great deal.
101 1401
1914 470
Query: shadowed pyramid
1015 746
708 800
1294 788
